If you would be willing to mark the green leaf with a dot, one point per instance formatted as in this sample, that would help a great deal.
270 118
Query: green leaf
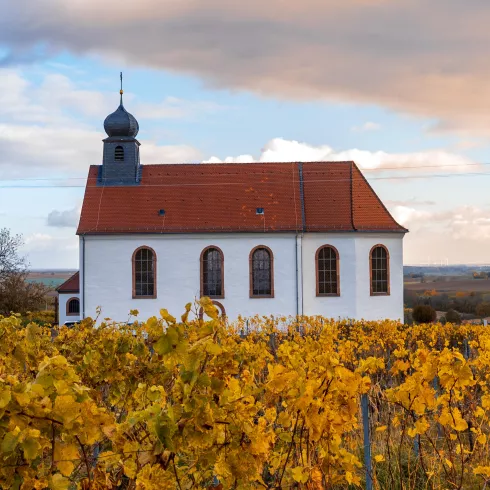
163 345
203 380
165 429
217 385
5 397
31 448
10 441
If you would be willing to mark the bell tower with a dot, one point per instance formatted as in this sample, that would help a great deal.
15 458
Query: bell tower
121 159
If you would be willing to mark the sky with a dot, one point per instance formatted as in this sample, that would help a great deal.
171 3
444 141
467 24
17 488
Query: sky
402 87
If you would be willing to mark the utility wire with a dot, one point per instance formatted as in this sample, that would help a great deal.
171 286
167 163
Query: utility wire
211 184
379 169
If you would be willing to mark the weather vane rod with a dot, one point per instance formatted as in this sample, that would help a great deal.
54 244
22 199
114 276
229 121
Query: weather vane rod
121 91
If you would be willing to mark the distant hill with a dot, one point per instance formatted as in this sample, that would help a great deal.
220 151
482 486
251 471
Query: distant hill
445 270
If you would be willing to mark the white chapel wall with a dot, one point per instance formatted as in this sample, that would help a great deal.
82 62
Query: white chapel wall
355 300
108 275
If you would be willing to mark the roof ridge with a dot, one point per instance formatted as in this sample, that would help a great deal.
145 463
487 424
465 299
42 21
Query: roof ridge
206 164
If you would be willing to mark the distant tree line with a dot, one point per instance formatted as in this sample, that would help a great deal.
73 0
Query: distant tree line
468 304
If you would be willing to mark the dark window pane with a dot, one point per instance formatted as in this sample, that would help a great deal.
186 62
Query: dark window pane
212 277
379 270
144 273
261 273
327 271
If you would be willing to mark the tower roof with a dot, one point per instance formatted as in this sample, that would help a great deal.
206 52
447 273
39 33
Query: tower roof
121 123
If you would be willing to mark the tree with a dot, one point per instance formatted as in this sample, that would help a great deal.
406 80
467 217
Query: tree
424 314
452 316
10 259
483 310
19 296
16 294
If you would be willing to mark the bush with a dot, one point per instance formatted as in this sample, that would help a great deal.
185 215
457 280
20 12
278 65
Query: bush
483 310
175 404
452 316
424 314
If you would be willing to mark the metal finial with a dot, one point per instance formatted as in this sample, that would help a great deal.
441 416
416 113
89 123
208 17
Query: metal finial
121 91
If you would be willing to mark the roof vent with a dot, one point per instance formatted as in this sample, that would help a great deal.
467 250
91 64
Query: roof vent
260 211
161 212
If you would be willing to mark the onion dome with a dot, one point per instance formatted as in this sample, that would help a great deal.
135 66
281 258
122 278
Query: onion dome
121 123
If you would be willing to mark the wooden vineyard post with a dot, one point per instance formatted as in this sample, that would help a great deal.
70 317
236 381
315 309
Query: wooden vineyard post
367 441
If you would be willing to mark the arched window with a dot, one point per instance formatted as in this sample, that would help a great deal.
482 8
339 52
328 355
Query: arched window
144 273
380 270
119 154
73 307
261 273
327 271
212 272
221 310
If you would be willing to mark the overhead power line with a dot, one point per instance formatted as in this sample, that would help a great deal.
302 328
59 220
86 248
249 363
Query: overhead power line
377 169
211 184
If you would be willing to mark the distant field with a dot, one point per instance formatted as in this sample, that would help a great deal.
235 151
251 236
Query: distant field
451 286
49 278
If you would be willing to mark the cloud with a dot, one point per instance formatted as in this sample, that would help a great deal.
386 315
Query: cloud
409 202
460 223
64 219
173 107
44 130
36 241
367 126
458 234
282 150
397 53
51 250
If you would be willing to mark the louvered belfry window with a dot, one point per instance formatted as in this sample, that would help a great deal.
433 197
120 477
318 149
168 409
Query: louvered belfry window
261 273
212 273
327 267
144 270
380 269
119 154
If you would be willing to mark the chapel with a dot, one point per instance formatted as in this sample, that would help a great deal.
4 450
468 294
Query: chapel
285 238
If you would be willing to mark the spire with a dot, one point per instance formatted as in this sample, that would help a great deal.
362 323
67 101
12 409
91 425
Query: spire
121 123
121 91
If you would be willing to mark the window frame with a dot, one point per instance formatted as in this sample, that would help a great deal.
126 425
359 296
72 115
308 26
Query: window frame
68 306
251 272
201 272
317 268
133 267
388 274
218 305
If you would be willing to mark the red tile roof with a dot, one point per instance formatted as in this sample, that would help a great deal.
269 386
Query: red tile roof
313 196
71 285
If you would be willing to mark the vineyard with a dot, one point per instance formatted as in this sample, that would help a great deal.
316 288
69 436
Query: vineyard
190 404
